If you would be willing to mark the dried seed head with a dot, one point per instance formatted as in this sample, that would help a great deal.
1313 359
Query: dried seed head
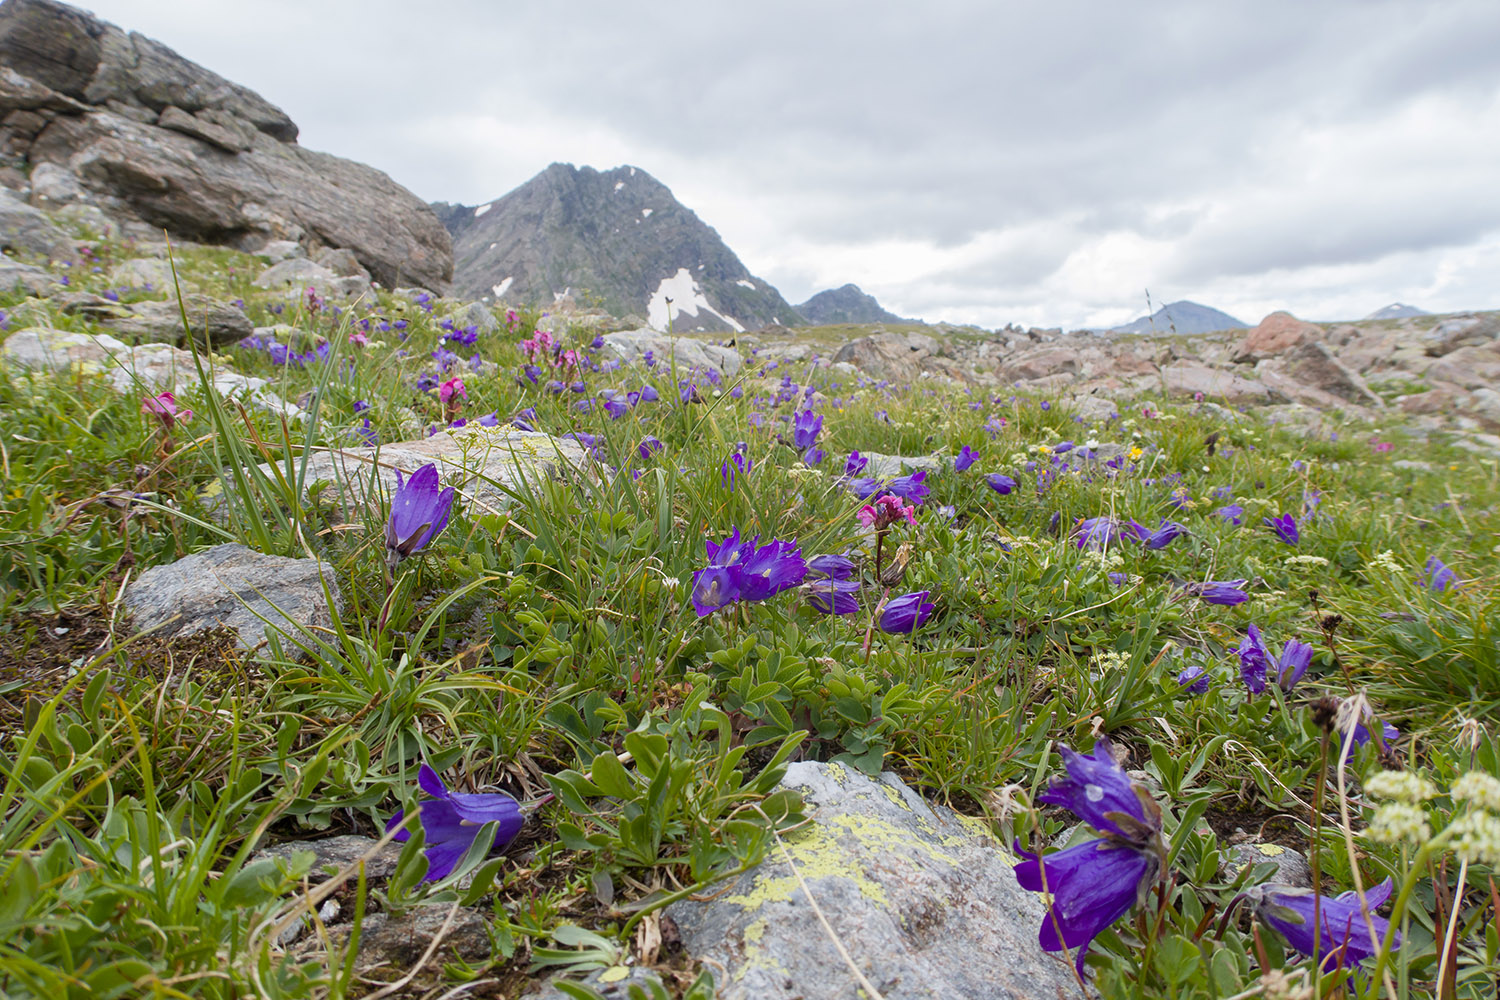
1330 623
1324 711
1470 734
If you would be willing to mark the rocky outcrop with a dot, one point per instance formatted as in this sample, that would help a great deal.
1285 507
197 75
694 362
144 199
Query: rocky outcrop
685 353
898 357
846 305
26 230
119 121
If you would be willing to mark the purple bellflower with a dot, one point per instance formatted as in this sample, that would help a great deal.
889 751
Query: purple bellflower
1233 513
1225 592
1285 528
419 512
905 614
1096 532
1163 536
831 566
1296 657
1095 883
833 597
1001 484
737 465
1194 680
451 820
1437 577
965 458
805 431
1344 938
855 464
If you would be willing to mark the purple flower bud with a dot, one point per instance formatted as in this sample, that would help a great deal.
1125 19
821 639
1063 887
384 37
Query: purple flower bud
1001 484
419 512
905 614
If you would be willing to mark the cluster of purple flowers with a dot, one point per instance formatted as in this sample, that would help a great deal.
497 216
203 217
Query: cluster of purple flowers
1100 532
1255 662
745 571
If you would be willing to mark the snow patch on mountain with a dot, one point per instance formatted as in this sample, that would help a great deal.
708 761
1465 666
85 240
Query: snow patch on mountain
500 289
481 210
687 300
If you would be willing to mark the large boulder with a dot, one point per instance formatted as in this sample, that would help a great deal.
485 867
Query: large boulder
213 323
1276 334
896 356
134 128
1312 363
1189 379
925 903
233 587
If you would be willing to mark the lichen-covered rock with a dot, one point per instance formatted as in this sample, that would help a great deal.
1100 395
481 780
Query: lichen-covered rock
212 323
333 854
28 229
925 902
234 587
1291 866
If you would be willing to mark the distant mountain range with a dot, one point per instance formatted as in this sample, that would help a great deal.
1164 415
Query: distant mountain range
1184 317
620 239
1397 310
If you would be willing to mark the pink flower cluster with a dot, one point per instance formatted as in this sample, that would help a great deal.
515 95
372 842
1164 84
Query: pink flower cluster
163 406
886 511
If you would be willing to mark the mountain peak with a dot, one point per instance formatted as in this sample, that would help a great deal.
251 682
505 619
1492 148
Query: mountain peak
847 304
1183 317
1397 310
616 236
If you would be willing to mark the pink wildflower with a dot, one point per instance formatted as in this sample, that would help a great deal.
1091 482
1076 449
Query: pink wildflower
163 406
451 388
359 339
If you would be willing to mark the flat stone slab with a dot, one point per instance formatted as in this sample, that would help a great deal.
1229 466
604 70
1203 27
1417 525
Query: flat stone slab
482 462
632 345
925 902
235 587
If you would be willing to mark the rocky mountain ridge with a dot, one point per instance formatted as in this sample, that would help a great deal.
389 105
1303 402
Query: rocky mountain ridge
848 304
1182 317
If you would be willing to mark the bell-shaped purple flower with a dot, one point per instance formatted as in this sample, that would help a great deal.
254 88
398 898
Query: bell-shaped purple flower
806 429
1165 535
1001 484
649 446
1194 680
1096 532
419 512
965 458
1285 528
1224 592
1095 883
451 820
1344 937
833 567
832 597
1233 513
737 465
855 464
715 587
1255 661
905 614
910 488
770 569
813 456
1296 657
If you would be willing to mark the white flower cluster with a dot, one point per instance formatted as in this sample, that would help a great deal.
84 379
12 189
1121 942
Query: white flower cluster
1305 562
1476 837
1388 562
1395 822
1110 661
1478 789
1402 786
1105 560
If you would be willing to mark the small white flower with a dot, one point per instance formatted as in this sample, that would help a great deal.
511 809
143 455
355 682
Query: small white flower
1401 786
1395 822
1476 837
1478 789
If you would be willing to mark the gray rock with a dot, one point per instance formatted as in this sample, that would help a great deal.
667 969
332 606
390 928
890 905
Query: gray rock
141 273
1312 363
14 275
631 346
334 854
297 273
235 587
882 466
23 228
200 126
341 262
1291 867
477 314
280 250
1460 331
486 464
898 357
1185 379
395 944
925 902
212 323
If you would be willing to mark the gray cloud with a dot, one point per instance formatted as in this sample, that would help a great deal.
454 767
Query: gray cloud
969 159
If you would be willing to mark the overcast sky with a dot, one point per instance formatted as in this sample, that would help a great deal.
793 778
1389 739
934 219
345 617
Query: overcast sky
984 162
